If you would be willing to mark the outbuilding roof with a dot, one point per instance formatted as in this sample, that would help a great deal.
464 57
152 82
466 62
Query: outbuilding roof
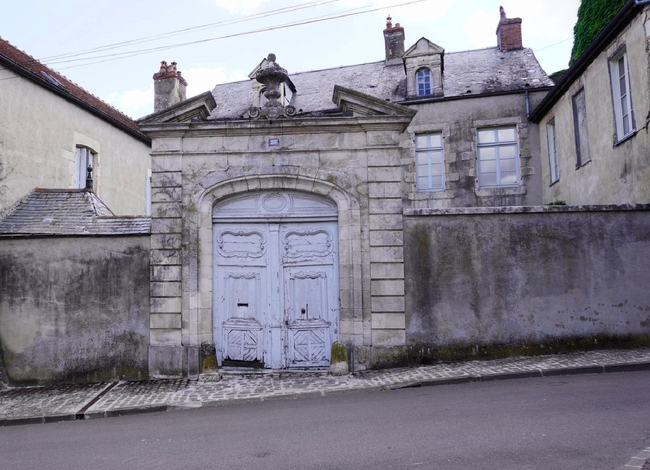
56 212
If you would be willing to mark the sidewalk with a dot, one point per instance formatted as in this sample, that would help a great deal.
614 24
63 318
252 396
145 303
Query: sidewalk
70 402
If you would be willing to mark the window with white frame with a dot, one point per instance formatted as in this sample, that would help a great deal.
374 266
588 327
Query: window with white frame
83 160
620 76
423 82
498 157
429 162
552 151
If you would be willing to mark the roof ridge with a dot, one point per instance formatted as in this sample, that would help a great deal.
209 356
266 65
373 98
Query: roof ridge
36 68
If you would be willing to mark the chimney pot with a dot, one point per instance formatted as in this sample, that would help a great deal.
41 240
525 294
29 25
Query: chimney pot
169 86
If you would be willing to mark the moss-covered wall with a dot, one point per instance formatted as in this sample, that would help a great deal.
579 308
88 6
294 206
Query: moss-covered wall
481 280
74 309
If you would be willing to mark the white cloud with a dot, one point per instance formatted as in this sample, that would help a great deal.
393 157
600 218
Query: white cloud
134 103
202 79
139 102
547 28
551 19
240 7
480 28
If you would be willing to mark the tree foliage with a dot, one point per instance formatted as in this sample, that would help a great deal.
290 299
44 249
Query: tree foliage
593 15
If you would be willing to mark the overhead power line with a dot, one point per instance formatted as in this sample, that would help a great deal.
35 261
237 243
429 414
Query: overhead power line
192 29
133 53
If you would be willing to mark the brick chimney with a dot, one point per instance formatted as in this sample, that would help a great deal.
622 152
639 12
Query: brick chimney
509 33
394 41
169 87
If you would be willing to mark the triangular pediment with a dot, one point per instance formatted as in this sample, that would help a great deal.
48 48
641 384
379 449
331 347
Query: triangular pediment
361 104
423 47
197 107
262 65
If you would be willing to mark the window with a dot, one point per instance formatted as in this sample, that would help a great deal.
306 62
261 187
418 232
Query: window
498 157
423 79
83 160
552 151
429 162
583 155
620 76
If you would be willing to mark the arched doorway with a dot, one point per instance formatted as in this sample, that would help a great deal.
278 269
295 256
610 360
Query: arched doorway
276 279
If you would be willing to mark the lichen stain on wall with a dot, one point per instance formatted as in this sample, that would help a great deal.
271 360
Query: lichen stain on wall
74 309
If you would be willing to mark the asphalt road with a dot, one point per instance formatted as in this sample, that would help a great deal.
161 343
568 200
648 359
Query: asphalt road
572 422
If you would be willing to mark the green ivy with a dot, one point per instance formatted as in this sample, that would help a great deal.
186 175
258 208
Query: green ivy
593 15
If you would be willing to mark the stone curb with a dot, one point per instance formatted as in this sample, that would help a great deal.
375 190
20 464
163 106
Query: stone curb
577 370
84 415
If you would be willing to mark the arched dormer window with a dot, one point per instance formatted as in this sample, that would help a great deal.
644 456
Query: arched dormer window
423 82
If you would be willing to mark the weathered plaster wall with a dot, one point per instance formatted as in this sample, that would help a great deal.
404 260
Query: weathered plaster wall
481 278
355 162
39 132
458 121
616 174
74 309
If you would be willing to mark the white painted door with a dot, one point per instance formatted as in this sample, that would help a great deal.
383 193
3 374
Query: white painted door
276 290
310 278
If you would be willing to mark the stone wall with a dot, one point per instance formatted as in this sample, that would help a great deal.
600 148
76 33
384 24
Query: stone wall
74 309
524 279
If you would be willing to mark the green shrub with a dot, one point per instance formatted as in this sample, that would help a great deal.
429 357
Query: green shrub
593 15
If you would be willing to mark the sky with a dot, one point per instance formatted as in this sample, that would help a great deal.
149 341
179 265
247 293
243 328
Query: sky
228 38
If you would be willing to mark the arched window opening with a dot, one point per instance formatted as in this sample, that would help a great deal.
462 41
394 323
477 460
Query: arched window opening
423 79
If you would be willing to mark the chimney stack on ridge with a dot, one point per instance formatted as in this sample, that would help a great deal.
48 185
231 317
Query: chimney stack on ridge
169 87
394 41
509 33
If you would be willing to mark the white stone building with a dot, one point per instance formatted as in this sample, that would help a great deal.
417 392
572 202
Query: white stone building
278 202
51 130
594 123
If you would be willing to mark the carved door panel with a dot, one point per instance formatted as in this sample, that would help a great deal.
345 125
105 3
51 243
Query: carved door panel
275 280
241 305
310 277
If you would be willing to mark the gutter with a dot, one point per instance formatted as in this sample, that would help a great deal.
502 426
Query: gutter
608 33
476 95
73 99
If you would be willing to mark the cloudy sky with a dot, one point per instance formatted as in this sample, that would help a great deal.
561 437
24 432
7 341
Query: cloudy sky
113 47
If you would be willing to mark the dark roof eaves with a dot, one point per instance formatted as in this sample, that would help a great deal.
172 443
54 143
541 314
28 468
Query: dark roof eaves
441 99
69 97
620 20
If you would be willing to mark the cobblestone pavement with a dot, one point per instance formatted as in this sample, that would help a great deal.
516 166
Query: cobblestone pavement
96 400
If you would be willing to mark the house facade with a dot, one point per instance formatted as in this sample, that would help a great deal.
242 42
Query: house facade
593 125
52 130
278 202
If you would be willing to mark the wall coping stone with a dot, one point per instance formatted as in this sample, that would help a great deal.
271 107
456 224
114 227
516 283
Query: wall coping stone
526 209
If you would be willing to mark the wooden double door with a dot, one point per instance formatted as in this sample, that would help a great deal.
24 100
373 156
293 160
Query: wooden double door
276 291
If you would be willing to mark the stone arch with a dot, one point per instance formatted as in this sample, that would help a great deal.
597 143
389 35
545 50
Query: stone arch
200 262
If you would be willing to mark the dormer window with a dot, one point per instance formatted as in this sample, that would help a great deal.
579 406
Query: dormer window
423 78
424 66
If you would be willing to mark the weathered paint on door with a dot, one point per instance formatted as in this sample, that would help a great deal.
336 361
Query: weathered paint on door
276 280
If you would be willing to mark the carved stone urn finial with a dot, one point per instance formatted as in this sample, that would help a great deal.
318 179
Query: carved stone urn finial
272 77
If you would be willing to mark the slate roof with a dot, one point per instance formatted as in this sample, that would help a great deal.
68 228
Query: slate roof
27 66
481 71
56 212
